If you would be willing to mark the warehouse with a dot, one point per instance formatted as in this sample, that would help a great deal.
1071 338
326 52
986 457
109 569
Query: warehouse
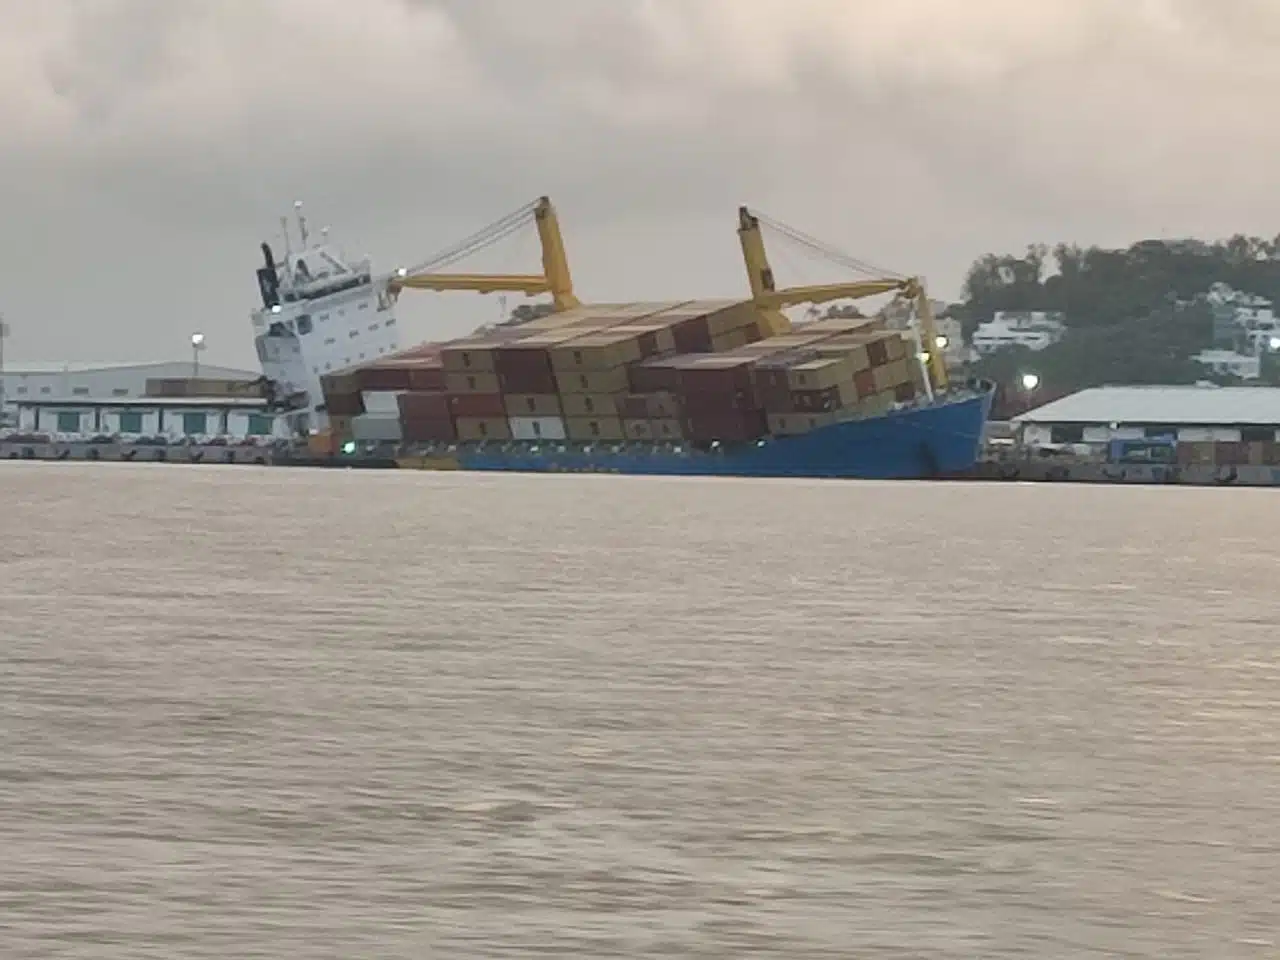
100 381
172 419
1188 414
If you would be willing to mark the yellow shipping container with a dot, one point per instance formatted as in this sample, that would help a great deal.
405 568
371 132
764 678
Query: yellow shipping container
596 352
586 429
477 382
820 374
596 381
533 405
891 375
483 428
472 355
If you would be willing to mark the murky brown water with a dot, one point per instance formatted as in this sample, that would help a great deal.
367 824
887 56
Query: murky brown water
289 714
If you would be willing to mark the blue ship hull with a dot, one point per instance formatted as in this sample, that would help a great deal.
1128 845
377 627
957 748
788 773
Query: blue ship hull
928 440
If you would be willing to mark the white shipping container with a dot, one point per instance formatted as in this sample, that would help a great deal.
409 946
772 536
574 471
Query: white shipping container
376 427
382 401
538 428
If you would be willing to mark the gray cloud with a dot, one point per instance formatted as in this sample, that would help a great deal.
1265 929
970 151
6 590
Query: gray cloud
152 143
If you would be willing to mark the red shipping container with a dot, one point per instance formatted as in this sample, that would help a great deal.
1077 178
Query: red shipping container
344 404
878 351
426 377
417 430
383 379
528 381
904 392
727 428
658 377
649 345
692 336
478 405
713 404
777 399
517 362
717 378
424 406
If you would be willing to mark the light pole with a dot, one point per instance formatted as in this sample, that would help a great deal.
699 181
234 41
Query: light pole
4 335
197 344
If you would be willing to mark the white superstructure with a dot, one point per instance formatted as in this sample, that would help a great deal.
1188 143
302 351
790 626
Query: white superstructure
320 313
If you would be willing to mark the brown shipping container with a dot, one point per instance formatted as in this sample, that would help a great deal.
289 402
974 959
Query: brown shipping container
637 429
878 352
892 375
340 427
737 317
426 377
596 352
838 325
528 382
875 405
586 429
692 336
346 382
855 355
483 428
819 374
727 428
777 400
633 406
794 424
383 379
652 341
472 383
591 405
418 430
897 346
425 406
727 342
816 401
598 381
533 405
904 392
716 375
663 405
482 405
654 377
1196 453
344 404
864 382
1230 453
714 404
667 428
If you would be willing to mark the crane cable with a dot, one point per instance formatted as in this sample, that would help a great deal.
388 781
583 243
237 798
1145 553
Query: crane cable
498 230
825 250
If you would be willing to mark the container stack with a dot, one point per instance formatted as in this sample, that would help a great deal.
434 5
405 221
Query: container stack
366 403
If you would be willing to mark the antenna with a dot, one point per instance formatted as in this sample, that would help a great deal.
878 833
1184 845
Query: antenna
302 223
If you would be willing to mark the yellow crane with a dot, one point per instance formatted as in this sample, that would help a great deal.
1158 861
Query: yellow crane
554 279
771 301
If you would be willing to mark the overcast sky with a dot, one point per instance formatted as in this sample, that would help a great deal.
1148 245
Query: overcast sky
150 145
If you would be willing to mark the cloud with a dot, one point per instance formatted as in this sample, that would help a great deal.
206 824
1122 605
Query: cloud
152 143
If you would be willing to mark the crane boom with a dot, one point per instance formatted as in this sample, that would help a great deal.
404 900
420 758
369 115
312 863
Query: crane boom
555 278
771 301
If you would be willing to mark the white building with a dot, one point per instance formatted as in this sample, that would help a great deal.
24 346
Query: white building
1229 363
35 381
1243 319
173 419
1031 329
1189 414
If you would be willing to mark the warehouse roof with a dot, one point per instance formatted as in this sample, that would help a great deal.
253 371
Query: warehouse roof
1203 405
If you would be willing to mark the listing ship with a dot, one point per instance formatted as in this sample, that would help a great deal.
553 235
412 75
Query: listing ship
697 387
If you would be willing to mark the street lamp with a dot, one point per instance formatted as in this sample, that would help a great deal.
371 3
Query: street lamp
1273 343
941 341
1030 381
197 344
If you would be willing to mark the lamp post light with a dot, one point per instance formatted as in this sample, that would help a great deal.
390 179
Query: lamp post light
197 344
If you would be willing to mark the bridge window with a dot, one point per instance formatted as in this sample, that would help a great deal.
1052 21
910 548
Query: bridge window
304 325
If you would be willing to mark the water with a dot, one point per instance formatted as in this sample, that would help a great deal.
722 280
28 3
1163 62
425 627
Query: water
288 714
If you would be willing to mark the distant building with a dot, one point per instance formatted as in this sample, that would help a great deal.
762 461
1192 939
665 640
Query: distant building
1199 413
1229 363
31 381
1031 329
1242 322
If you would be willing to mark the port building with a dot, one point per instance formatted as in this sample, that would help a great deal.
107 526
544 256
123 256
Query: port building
1187 414
36 381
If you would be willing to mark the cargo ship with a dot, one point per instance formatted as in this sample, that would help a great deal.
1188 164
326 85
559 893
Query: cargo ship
692 387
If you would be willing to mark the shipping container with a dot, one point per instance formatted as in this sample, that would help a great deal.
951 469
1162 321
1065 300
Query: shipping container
904 392
483 428
428 429
816 401
533 405
633 406
591 404
637 429
732 340
340 427
381 401
737 317
474 355
343 404
794 424
482 405
538 428
716 375
820 374
344 383
692 335
667 428
600 382
735 427
864 382
586 429
605 351
654 376
663 405
711 404
1231 453
417 405
472 383
854 354
528 382
840 325
382 379
1196 453
654 340
892 375
376 428
776 399
426 377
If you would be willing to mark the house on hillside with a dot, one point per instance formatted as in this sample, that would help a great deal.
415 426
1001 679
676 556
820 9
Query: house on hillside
1242 322
1032 329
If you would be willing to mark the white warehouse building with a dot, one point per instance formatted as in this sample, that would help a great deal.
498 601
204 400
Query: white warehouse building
1184 413
28 381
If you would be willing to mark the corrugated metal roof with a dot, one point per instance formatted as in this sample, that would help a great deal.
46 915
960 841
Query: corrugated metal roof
1208 406
36 368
